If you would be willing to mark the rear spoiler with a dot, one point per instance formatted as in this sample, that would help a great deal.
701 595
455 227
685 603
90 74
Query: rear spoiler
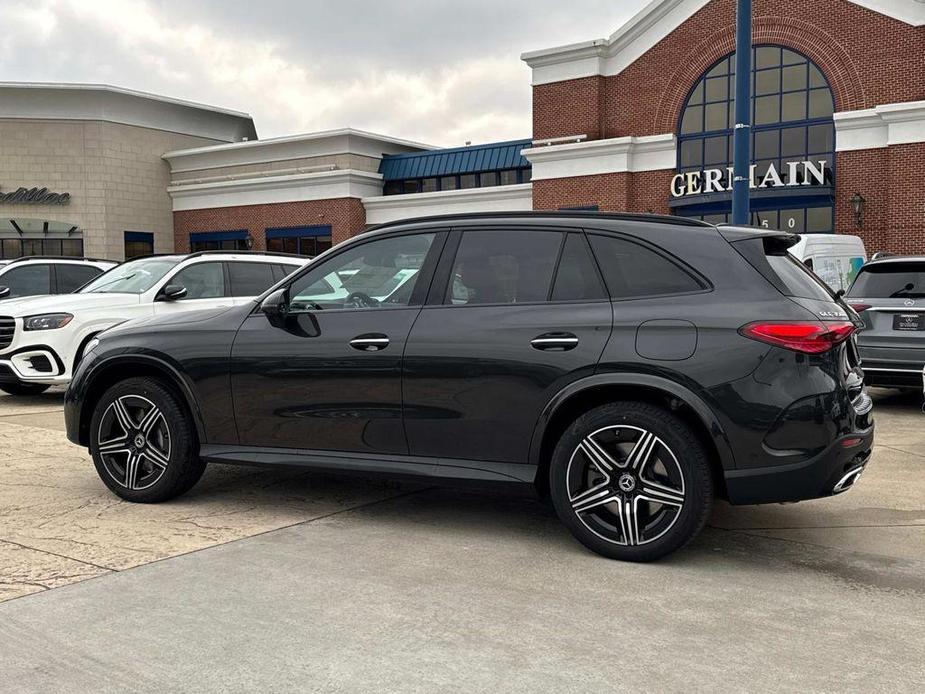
774 242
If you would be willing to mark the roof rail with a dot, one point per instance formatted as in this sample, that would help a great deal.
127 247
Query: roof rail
23 258
882 254
197 254
566 214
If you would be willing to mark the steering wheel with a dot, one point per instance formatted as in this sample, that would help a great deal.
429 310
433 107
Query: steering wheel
360 300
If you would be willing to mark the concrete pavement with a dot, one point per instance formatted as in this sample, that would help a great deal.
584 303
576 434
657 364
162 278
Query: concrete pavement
377 587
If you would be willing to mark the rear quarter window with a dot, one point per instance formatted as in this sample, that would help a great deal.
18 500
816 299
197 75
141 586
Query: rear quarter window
631 270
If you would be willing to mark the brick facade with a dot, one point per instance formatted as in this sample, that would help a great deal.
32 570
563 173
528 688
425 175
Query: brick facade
868 58
345 215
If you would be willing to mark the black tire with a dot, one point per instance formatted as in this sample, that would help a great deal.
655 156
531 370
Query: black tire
21 388
605 496
157 458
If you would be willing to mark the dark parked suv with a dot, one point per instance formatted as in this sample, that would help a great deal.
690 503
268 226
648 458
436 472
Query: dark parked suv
633 367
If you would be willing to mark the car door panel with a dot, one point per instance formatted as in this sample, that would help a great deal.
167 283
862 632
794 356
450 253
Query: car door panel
476 377
327 376
475 384
308 387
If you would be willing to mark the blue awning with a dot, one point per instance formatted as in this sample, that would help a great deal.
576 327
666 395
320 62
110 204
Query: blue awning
494 156
299 232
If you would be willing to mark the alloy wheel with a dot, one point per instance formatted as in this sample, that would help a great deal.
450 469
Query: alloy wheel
625 485
133 442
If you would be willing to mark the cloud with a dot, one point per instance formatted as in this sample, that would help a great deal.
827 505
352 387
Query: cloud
436 72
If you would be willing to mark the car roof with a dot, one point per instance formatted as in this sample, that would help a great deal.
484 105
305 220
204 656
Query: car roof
286 258
888 259
533 216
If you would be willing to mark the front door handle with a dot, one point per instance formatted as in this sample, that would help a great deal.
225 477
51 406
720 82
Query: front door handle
370 342
555 342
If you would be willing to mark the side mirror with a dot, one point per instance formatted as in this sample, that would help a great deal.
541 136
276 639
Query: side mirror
4 292
172 292
276 307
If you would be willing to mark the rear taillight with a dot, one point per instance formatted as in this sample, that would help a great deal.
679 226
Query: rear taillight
859 307
808 337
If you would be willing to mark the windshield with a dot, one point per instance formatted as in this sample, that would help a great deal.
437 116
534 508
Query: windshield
890 281
133 277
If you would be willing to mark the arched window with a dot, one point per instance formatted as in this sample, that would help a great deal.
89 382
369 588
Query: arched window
792 127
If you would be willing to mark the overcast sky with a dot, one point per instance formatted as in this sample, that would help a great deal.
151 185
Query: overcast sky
436 71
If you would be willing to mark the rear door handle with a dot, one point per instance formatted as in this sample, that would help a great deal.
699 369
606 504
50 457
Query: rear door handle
370 342
557 342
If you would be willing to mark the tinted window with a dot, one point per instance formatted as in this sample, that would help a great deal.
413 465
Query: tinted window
630 270
577 278
797 278
376 273
202 281
883 281
28 280
73 277
249 279
504 267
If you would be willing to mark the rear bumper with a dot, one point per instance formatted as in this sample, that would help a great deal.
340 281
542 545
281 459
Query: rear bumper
897 367
833 471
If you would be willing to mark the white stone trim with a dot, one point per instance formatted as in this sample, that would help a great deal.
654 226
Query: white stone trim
615 155
262 190
650 25
611 56
881 126
389 208
320 144
908 11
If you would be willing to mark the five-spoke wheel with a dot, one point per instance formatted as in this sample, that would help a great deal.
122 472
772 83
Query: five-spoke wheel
133 441
631 481
143 442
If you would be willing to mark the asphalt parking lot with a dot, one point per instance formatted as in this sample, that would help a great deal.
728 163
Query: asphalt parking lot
295 581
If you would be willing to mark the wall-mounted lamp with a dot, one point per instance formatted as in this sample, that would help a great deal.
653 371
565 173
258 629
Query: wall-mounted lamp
857 204
249 242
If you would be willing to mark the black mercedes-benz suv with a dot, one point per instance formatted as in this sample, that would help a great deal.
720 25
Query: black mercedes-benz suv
632 367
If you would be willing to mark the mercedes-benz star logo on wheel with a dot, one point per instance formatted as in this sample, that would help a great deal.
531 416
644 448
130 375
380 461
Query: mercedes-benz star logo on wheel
627 483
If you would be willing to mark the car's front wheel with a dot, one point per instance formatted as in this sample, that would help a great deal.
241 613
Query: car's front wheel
143 442
21 388
631 481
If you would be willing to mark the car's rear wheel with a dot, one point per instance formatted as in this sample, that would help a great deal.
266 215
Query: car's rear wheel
143 442
631 481
24 388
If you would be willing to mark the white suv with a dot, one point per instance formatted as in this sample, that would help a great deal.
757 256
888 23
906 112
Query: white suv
39 275
43 338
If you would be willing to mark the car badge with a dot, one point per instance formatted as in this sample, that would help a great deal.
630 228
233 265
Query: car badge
909 302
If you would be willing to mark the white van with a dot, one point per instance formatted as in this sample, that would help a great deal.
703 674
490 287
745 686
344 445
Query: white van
836 258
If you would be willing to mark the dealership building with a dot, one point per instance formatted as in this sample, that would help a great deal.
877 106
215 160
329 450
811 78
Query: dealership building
640 121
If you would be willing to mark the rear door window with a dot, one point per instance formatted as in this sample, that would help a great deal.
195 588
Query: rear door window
577 278
632 270
71 277
249 278
504 266
894 280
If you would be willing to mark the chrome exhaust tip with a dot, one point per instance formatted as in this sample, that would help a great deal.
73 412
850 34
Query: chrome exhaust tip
848 480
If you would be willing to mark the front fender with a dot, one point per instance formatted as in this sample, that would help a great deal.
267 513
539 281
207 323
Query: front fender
650 381
87 384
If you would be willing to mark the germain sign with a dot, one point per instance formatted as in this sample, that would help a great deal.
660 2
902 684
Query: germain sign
797 173
34 196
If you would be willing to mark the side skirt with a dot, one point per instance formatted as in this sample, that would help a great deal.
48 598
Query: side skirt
390 464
